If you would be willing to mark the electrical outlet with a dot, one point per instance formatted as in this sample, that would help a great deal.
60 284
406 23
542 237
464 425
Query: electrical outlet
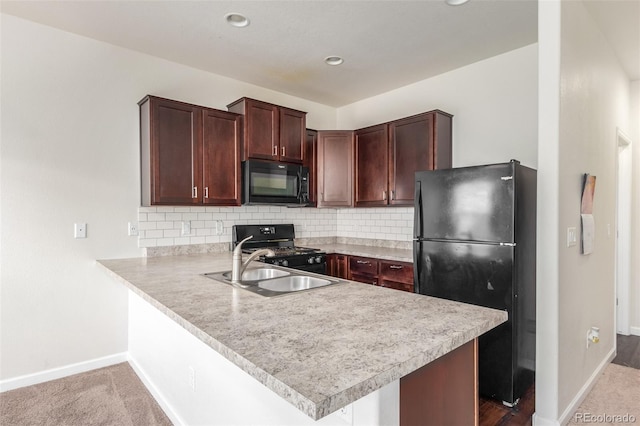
346 413
186 228
132 229
192 379
79 230
219 227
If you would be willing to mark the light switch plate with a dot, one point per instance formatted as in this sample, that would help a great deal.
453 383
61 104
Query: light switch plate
79 230
572 236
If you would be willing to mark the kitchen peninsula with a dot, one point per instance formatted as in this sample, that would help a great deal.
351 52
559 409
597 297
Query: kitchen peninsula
345 345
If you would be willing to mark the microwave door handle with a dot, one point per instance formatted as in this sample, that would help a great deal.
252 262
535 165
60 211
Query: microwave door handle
299 184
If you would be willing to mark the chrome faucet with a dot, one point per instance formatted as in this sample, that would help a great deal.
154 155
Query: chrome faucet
238 267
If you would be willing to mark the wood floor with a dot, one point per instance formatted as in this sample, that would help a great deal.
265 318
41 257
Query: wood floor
494 413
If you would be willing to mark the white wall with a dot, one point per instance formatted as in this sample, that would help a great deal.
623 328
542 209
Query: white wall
70 153
634 290
494 104
581 77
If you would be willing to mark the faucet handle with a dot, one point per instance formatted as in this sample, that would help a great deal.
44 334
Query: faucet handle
238 248
248 238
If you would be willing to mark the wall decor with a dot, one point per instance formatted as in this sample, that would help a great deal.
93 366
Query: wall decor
586 213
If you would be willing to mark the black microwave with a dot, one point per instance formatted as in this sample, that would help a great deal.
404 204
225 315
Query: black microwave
266 182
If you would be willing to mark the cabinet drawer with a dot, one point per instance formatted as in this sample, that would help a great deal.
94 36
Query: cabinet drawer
364 278
397 285
363 266
401 272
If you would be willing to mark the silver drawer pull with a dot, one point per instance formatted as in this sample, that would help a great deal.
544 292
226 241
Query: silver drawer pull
363 262
395 267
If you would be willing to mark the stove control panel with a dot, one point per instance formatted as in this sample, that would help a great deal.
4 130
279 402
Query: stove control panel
267 230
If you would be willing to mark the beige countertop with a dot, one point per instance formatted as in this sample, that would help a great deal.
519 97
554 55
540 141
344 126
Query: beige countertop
320 349
387 253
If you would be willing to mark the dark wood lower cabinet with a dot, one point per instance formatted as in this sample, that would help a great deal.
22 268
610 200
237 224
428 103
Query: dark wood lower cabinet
443 392
384 273
338 266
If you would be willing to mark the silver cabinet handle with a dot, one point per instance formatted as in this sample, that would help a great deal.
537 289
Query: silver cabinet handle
384 195
275 150
363 262
393 194
195 192
206 192
283 151
395 266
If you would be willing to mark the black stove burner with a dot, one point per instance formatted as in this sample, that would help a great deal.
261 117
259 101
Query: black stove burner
285 251
280 239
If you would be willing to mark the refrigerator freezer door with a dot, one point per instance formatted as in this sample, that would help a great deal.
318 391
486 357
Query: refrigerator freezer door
480 274
467 204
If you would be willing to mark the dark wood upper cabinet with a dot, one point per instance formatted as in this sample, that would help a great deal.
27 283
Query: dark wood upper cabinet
221 157
335 168
189 154
388 155
420 142
271 132
310 160
371 166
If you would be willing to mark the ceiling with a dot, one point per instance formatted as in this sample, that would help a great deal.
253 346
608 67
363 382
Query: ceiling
385 44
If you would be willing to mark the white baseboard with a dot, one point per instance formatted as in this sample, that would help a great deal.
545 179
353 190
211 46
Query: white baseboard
586 388
540 421
635 331
60 372
157 395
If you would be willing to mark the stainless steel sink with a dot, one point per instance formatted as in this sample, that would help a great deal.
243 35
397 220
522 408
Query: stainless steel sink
272 281
293 283
259 274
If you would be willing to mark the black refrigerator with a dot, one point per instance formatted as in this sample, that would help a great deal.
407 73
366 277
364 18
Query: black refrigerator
475 242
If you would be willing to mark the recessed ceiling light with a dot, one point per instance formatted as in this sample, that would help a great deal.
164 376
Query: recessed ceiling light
333 60
236 19
455 2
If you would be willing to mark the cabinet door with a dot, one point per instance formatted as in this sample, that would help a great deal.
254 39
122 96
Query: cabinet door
337 265
292 135
442 142
335 169
221 158
410 150
371 169
174 152
309 159
261 138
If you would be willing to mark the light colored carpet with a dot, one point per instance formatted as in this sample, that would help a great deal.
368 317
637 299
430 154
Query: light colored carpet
107 396
615 395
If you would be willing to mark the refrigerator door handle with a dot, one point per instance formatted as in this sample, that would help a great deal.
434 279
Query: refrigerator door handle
417 214
416 266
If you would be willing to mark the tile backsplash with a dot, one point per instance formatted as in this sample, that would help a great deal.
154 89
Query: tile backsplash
163 226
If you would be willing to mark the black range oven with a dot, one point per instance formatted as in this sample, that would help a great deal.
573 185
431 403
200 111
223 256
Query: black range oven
280 239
